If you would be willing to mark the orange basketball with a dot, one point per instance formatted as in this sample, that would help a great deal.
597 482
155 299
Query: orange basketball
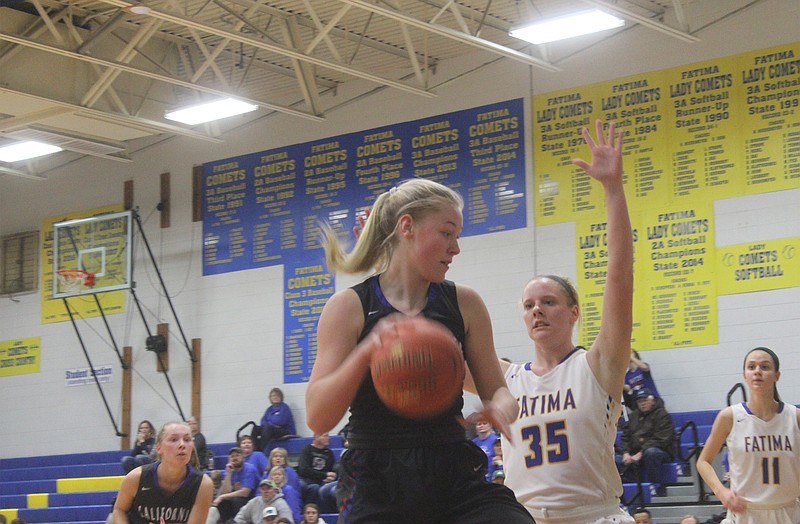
419 370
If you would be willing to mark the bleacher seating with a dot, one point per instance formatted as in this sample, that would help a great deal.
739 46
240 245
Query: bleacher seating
52 489
80 487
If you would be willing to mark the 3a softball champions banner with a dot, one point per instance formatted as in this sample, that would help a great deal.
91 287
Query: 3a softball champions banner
693 134
264 208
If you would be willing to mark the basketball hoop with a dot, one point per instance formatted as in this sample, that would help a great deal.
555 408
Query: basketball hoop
72 280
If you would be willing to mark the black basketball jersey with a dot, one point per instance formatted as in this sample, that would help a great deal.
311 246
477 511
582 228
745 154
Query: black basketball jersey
372 424
151 503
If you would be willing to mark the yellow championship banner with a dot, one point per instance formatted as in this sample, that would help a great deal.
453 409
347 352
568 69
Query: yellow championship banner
678 268
20 357
592 260
53 309
770 120
758 266
562 191
717 129
706 109
639 106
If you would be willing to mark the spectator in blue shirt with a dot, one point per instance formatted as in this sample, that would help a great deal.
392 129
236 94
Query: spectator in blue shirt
485 439
277 421
238 487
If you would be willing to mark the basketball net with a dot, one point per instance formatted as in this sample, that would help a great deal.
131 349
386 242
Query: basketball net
72 280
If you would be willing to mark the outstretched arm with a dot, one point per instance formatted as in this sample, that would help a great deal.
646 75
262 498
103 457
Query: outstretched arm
609 355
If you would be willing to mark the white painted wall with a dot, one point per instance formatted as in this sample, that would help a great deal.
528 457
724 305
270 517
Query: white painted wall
238 315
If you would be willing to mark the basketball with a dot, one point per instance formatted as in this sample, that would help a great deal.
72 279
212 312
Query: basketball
419 370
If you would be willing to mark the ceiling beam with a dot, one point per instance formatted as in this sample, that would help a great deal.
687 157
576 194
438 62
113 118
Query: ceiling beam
274 48
133 122
464 38
149 74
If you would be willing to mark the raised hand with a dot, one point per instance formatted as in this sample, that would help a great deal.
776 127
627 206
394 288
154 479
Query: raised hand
606 163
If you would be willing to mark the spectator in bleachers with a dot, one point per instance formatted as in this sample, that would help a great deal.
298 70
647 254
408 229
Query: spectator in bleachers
762 435
282 520
141 453
277 422
497 458
499 477
204 455
270 515
252 456
168 489
637 377
253 511
290 494
689 519
280 457
19 521
485 437
648 440
238 486
216 480
642 516
311 514
316 468
3 519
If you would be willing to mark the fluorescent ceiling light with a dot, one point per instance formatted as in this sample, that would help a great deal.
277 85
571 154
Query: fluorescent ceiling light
138 9
210 111
563 27
26 150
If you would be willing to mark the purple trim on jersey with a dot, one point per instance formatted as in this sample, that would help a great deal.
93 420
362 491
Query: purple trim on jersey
527 365
747 410
189 471
433 292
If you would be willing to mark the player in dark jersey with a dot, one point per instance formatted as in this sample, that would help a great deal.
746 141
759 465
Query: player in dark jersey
397 469
168 491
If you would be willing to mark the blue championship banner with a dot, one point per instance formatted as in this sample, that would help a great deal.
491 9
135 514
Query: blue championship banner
308 286
264 209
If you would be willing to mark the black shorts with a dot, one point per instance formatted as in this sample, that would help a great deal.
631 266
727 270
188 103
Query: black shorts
443 484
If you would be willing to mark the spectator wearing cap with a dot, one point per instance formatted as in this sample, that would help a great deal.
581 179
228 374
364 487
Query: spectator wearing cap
236 489
271 497
648 440
637 377
270 515
499 477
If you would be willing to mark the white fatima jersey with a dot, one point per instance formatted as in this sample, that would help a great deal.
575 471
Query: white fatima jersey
563 453
764 456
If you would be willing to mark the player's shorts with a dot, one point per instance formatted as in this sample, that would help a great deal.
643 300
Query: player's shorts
444 484
786 514
606 513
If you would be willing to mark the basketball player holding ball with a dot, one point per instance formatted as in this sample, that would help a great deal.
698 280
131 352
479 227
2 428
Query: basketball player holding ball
400 469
